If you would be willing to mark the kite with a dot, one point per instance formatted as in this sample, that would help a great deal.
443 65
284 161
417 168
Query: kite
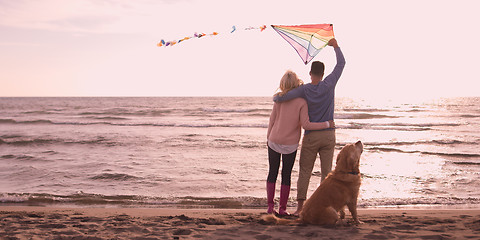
307 40
163 43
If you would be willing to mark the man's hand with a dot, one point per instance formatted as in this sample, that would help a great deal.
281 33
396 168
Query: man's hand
332 124
333 43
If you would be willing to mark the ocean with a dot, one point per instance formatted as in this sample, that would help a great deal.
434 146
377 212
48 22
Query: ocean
187 152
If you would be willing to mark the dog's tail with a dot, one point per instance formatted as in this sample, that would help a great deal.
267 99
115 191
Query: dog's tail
279 221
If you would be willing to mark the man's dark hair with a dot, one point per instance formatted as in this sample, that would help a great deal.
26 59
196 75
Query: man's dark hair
317 68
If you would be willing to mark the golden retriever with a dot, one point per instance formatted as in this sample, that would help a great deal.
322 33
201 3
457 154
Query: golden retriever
338 190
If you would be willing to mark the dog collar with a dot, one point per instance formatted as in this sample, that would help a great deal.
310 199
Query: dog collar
353 173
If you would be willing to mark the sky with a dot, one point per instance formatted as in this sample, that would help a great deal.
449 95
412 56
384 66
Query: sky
393 49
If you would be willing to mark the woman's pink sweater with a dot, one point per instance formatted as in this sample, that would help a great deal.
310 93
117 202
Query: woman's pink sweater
286 121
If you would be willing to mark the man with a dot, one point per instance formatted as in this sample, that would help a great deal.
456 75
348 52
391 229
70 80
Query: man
320 94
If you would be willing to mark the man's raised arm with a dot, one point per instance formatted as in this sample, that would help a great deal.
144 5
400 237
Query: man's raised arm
333 77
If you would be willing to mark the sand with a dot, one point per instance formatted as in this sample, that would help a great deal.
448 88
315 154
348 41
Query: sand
24 222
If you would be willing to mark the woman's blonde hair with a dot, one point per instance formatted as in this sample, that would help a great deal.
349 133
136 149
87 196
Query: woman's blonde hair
288 82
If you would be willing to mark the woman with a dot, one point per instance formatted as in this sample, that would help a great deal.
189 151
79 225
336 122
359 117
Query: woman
284 131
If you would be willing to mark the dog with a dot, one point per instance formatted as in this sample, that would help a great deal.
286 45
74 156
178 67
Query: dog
339 189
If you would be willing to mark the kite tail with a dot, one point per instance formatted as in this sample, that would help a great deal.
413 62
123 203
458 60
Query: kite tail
200 35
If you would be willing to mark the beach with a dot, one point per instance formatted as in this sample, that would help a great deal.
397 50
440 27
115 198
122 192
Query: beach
27 222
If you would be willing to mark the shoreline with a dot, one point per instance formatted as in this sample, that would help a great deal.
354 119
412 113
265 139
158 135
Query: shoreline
36 222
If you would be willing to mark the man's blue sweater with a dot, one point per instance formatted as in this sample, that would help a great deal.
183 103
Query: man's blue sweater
321 97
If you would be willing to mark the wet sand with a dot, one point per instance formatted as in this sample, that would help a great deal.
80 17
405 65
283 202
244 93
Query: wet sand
24 222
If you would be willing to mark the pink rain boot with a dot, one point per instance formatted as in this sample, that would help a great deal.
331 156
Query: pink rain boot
270 197
284 193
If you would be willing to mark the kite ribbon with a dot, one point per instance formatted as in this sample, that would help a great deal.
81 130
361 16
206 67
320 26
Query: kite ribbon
164 43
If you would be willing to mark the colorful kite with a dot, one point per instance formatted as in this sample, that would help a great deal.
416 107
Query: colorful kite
307 40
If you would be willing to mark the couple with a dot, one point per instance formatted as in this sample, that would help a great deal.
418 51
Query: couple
310 106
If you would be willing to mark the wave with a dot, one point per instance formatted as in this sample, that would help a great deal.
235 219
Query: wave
208 125
234 110
421 201
365 110
245 202
114 177
21 157
109 118
263 115
385 127
362 116
220 145
201 125
456 155
467 163
39 199
426 124
163 112
41 141
101 141
28 142
469 116
442 142
40 112
11 121
398 126
415 109
82 199
216 171
127 112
